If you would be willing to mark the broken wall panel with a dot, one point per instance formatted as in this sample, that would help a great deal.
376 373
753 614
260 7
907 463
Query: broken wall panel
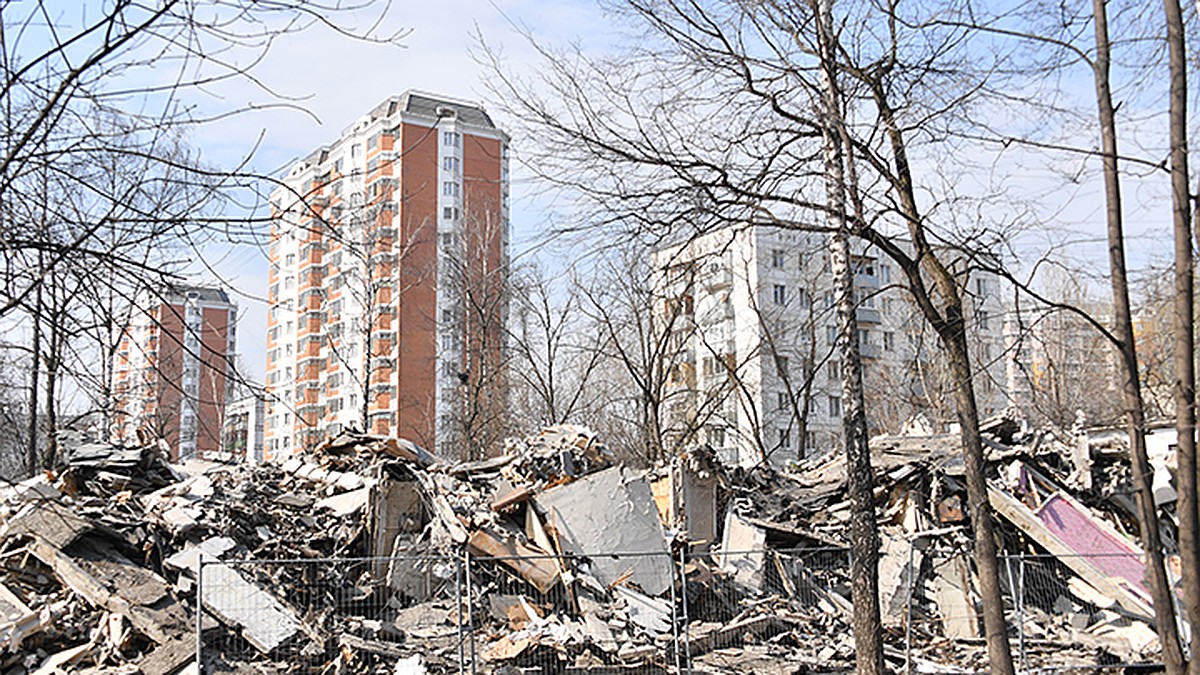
612 512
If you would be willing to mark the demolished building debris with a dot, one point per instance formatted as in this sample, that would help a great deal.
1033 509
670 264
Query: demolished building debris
370 554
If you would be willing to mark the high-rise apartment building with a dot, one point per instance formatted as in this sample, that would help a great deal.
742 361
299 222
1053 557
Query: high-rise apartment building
387 270
753 366
172 371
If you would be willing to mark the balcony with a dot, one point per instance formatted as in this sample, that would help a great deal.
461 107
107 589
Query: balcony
868 315
717 277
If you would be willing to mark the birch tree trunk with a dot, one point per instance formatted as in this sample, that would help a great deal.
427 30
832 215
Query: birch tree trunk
1160 591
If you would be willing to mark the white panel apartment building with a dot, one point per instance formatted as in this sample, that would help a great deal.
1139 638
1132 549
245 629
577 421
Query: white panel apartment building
754 369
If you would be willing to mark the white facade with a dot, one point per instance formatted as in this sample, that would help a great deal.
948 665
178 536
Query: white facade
754 369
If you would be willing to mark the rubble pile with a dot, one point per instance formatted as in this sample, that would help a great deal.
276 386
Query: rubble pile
369 554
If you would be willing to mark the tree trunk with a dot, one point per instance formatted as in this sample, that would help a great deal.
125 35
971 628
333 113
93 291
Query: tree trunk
1160 591
864 537
951 329
1185 343
32 461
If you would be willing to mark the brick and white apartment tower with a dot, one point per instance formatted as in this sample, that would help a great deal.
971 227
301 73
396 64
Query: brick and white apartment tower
387 270
172 371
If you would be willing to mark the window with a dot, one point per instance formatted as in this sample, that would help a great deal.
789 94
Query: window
889 341
835 406
982 317
785 437
450 139
782 401
716 436
450 189
885 274
450 163
447 239
710 366
981 287
373 142
831 335
372 165
355 150
804 299
829 300
781 366
449 213
289 260
779 294
778 258
834 371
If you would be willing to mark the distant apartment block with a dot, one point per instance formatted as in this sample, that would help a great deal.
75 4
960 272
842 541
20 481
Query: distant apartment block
387 265
172 370
243 439
753 368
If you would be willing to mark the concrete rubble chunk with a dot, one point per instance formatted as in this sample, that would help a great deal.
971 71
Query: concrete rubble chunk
612 511
264 621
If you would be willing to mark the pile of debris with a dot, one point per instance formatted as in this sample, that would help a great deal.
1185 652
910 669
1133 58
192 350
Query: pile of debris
370 554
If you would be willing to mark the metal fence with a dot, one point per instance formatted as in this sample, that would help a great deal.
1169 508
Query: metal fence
763 610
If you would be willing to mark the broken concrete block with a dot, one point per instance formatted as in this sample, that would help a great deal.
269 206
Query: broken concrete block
188 558
264 621
742 551
611 512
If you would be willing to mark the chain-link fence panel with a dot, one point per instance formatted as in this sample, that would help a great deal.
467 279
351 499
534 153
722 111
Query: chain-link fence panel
360 615
522 623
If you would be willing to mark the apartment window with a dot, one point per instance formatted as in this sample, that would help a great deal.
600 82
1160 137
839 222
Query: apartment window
450 163
373 142
982 318
781 366
885 274
449 213
779 294
829 299
450 189
289 327
716 436
371 166
804 299
785 437
778 258
290 260
782 401
447 239
710 366
335 404
831 335
835 406
834 371
889 341
981 287
355 150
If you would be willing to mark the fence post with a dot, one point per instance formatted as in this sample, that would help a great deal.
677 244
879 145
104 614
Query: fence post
199 612
470 621
675 616
1021 612
908 615
687 633
458 586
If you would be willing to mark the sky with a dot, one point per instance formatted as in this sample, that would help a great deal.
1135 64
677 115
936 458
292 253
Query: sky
336 79
328 80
